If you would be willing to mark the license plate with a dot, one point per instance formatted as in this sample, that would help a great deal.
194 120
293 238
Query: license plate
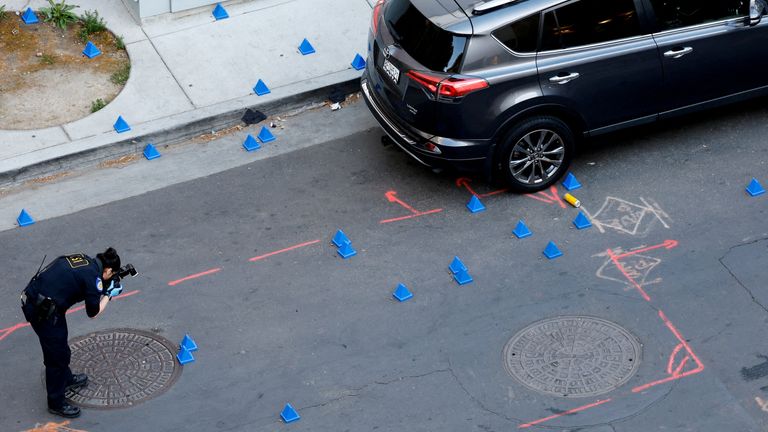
392 72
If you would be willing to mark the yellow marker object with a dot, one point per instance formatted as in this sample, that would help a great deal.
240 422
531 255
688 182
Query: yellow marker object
570 199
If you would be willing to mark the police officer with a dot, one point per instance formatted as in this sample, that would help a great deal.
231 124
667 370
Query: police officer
65 281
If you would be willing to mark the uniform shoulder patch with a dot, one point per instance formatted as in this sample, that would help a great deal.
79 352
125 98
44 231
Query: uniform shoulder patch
99 285
77 260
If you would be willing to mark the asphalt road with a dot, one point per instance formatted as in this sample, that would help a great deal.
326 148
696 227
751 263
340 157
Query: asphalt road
675 257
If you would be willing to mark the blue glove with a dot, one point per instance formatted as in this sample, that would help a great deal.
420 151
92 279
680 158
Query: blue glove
115 289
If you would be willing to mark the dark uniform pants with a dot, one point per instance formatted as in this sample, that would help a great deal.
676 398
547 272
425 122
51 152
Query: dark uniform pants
56 354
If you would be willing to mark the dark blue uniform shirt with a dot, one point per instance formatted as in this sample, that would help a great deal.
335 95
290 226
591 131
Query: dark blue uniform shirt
71 279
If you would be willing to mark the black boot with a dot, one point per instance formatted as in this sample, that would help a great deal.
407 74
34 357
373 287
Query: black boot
78 380
66 410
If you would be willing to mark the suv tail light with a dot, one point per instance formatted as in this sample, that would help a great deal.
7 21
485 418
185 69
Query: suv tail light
451 87
376 14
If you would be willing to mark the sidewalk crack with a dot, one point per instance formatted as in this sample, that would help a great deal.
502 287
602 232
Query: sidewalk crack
749 291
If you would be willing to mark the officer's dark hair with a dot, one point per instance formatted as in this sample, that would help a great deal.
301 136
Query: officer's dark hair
110 259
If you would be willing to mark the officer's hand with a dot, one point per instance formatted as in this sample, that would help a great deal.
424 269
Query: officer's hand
115 290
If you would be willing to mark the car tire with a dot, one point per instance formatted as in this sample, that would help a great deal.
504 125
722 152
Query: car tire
535 153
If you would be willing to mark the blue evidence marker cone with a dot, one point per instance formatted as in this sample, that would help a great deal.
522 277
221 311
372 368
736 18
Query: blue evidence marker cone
346 250
359 62
261 88
150 152
289 414
250 143
340 239
474 205
521 230
184 356
90 50
754 189
121 125
570 183
581 221
29 16
219 12
188 343
401 293
24 219
551 251
265 135
457 266
462 277
306 47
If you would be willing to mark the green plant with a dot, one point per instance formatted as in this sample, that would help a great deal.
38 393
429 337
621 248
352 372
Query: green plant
120 77
97 105
119 42
60 14
47 59
92 22
2 12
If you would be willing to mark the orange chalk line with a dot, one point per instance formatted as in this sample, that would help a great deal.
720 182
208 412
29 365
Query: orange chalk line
572 411
676 374
404 205
672 357
496 192
8 330
538 198
615 260
682 365
194 276
669 244
682 340
463 181
410 216
261 257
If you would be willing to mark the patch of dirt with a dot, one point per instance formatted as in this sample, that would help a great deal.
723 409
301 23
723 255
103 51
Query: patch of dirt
45 80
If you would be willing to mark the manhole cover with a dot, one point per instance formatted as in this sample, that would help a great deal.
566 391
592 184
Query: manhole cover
124 366
572 356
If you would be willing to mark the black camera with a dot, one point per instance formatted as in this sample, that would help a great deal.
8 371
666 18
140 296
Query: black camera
125 271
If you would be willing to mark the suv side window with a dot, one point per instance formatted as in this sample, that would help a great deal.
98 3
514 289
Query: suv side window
588 22
672 14
521 36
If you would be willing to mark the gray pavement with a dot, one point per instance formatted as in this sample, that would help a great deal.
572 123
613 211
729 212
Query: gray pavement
306 327
190 73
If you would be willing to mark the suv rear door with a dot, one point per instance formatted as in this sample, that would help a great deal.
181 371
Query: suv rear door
595 57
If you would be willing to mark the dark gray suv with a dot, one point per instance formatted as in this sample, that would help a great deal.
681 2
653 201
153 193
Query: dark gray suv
509 86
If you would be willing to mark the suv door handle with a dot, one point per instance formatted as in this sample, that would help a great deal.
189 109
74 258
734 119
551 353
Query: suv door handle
562 79
677 53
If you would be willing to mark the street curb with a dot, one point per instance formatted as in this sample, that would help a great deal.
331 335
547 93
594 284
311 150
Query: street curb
134 145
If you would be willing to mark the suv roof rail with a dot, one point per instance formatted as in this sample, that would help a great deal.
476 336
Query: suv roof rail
490 5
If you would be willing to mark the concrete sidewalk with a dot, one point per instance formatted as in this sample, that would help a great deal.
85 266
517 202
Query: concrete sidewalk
191 73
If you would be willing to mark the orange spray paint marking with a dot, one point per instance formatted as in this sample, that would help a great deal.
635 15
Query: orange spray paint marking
564 413
550 198
7 331
464 182
678 372
194 276
392 197
667 244
53 427
623 271
267 255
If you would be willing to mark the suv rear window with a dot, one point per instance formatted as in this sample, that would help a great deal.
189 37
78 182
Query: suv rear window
588 22
520 36
428 44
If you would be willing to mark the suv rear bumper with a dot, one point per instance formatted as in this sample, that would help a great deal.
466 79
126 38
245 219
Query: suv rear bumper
457 154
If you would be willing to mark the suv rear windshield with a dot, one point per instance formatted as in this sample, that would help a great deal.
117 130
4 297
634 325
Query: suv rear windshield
428 44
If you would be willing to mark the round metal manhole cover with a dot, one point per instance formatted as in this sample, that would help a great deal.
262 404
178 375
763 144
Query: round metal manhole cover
572 356
124 367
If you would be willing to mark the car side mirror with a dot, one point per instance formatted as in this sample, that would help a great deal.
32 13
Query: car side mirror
756 11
